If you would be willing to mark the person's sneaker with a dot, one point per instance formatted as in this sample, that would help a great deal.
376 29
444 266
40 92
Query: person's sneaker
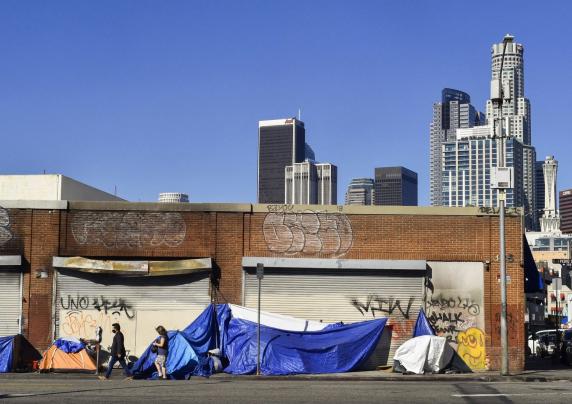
103 378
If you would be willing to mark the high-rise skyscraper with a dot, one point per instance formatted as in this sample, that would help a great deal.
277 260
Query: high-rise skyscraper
566 211
467 165
281 142
360 192
467 159
395 186
327 186
311 183
300 185
539 191
516 114
453 112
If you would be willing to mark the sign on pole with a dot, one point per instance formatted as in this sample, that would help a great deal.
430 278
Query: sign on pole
259 275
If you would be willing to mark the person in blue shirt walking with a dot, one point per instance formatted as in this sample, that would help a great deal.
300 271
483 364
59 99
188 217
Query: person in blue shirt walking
162 344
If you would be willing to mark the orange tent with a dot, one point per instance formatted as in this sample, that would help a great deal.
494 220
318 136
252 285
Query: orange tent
56 360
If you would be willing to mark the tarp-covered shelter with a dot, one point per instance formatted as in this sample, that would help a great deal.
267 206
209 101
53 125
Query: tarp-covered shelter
6 353
187 350
428 354
329 348
335 349
67 355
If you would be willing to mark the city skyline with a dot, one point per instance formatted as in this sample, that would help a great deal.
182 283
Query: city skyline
100 112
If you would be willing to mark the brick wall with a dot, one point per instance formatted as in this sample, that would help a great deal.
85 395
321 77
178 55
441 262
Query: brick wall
228 236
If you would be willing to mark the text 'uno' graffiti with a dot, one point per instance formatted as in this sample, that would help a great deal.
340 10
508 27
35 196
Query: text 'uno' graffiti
116 306
5 232
129 229
451 315
309 232
386 306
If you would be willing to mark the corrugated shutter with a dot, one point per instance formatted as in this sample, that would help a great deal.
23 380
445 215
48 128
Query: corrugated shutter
10 302
344 295
128 298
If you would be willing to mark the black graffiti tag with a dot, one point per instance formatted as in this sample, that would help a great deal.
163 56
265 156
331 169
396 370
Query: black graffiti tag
115 306
463 303
384 305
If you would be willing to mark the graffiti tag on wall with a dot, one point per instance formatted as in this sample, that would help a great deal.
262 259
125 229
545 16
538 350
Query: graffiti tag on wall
128 229
115 306
383 306
310 232
5 232
451 315
471 347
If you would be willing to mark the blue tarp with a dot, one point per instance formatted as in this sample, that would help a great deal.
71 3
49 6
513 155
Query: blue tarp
6 353
181 360
338 349
187 350
422 326
69 345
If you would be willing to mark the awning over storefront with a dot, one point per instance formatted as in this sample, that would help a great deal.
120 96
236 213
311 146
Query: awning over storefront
532 278
317 263
10 261
133 268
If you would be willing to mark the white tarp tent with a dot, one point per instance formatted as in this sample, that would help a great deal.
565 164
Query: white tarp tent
276 320
427 353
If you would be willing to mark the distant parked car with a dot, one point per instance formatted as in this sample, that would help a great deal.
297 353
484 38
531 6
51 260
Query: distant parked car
567 346
545 343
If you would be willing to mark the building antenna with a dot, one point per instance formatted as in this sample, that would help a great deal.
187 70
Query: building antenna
115 190
299 114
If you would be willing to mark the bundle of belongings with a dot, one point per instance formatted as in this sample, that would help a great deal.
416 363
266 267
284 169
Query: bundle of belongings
67 355
224 338
427 353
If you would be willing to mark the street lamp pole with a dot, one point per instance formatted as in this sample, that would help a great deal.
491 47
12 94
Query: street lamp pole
502 200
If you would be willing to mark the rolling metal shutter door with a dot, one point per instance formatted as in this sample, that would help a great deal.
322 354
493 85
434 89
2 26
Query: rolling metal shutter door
343 295
131 295
10 302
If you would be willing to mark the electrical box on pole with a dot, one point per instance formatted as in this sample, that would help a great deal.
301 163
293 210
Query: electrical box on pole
502 177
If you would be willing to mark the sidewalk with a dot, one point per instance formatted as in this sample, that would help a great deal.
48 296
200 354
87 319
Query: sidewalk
538 371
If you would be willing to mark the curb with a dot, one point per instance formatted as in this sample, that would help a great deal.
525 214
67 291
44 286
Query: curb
403 378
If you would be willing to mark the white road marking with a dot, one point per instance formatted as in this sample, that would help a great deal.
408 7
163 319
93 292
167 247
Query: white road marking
507 394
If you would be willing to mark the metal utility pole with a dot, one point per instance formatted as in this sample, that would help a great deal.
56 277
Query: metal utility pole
259 275
498 97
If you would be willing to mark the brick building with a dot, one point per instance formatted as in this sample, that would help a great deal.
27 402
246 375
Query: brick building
73 266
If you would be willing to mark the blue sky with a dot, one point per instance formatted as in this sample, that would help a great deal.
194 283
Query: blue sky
153 96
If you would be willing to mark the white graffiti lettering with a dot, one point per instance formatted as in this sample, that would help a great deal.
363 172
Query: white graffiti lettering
128 229
5 232
307 232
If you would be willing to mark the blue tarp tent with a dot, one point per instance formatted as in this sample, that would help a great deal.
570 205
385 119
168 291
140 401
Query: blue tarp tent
187 350
181 360
422 325
69 345
337 349
6 353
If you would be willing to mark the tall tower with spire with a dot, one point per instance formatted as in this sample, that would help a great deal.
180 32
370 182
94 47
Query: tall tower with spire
550 220
516 114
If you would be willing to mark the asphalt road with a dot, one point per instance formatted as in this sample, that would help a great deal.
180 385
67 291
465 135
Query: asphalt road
83 390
